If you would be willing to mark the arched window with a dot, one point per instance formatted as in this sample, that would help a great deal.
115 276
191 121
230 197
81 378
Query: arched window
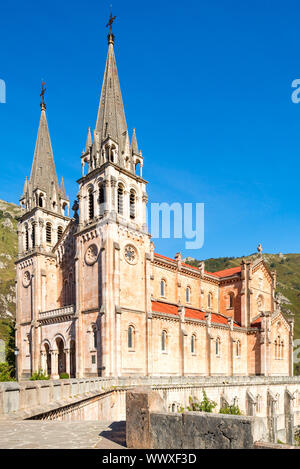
33 227
41 200
26 238
120 199
59 233
131 337
275 349
218 346
95 336
48 232
209 300
163 288
112 154
238 348
282 349
188 294
230 300
164 337
91 204
193 343
132 204
101 198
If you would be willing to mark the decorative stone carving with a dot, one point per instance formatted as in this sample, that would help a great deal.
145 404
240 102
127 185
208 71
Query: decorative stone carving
91 254
130 254
26 279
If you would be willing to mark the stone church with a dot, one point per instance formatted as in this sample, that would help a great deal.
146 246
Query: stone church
95 299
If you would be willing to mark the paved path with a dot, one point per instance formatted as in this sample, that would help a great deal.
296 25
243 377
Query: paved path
53 434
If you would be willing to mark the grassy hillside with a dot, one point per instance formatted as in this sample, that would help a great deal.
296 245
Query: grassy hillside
287 267
8 255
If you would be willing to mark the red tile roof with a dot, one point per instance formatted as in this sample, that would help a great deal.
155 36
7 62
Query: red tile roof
256 323
167 308
226 272
164 257
220 274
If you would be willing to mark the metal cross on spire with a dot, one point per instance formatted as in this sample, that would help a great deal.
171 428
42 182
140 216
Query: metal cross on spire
110 23
43 105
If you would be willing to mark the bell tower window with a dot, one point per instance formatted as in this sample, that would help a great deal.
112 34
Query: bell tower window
132 204
48 233
33 234
26 239
91 204
120 199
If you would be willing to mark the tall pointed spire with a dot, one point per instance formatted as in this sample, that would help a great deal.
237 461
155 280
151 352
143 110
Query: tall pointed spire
134 145
43 178
88 140
111 120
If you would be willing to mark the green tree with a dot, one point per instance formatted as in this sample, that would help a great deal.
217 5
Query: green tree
206 405
6 372
230 409
39 375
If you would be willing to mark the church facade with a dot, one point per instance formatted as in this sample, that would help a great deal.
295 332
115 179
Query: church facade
95 299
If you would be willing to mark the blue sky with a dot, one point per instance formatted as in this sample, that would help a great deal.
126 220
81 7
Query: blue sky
207 84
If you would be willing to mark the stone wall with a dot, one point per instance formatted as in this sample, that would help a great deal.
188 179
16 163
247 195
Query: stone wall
274 400
148 426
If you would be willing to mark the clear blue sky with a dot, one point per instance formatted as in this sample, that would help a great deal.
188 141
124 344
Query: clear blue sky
207 84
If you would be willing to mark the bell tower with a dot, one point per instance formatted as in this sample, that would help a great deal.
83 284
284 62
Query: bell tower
112 239
40 227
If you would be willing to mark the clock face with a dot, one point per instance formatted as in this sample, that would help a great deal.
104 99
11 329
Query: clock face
91 254
26 278
130 254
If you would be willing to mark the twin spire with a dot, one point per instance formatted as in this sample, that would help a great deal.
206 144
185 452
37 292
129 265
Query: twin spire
111 122
42 189
110 128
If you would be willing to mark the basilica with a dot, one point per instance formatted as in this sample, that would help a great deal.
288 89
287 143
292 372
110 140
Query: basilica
95 299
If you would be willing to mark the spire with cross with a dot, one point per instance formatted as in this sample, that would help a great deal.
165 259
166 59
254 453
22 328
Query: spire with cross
111 37
43 105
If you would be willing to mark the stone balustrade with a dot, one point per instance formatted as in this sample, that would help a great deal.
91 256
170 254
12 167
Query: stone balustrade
64 311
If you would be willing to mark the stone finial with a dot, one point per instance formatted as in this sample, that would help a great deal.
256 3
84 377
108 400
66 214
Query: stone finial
178 256
201 267
259 250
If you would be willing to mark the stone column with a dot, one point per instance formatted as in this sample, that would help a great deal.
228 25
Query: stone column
54 364
231 342
149 344
291 347
289 417
182 335
68 368
272 417
113 183
251 404
208 341
44 362
118 342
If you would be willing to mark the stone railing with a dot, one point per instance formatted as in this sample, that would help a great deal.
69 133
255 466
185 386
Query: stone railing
64 311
